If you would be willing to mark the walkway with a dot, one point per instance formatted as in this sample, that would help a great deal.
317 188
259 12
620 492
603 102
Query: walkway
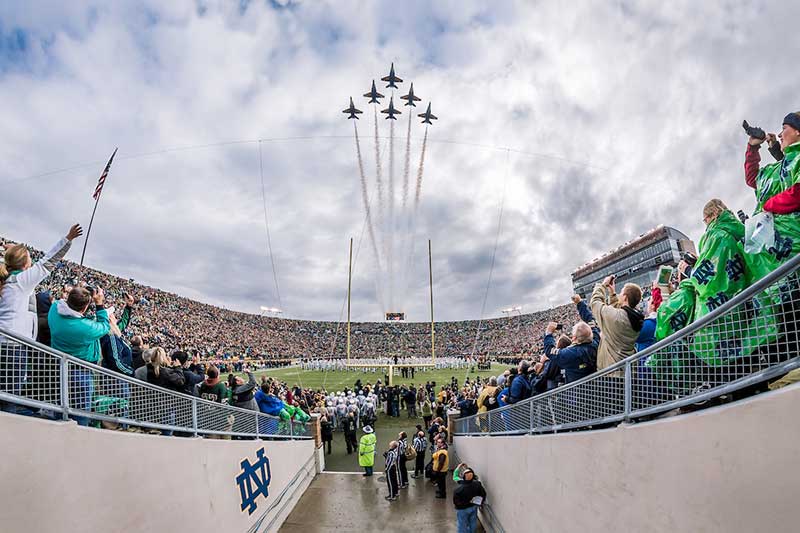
350 503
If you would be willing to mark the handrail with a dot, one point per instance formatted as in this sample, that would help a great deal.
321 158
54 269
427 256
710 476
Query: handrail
63 390
635 394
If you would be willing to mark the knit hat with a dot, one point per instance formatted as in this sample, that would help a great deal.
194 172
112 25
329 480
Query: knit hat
793 120
367 429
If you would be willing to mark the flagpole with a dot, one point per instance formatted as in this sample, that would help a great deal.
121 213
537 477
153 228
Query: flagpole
89 230
98 193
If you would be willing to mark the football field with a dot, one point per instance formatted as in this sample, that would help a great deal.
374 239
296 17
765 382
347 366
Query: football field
333 381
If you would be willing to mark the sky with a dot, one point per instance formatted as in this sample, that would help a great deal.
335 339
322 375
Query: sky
564 130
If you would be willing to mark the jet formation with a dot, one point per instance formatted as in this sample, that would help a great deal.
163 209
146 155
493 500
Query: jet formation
373 97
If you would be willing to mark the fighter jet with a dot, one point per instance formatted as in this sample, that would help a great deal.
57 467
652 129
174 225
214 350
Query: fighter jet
373 94
391 111
352 110
392 79
427 116
411 97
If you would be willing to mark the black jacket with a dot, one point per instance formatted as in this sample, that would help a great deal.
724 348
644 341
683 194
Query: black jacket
327 431
350 425
465 491
169 378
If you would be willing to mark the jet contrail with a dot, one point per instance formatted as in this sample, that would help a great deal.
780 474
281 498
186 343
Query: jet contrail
390 239
379 181
367 208
420 171
417 194
406 219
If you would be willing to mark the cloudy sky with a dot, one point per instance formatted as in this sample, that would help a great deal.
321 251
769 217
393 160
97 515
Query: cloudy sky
588 122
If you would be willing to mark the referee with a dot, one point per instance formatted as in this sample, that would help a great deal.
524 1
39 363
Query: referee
392 470
419 446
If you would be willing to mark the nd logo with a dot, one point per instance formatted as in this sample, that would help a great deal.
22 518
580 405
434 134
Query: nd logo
253 481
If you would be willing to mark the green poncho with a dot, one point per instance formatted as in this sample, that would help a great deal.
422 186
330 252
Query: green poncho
773 179
722 271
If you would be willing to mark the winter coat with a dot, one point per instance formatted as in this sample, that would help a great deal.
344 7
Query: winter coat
243 396
76 335
269 403
620 327
17 300
326 430
116 353
647 337
366 450
43 305
487 390
466 491
168 378
520 389
577 360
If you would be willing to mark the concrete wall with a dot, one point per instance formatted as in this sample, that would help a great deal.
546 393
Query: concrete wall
58 477
731 469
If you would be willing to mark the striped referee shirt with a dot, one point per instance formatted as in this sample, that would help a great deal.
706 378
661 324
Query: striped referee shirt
392 457
419 444
401 447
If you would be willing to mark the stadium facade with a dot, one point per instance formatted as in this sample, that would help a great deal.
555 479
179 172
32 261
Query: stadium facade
636 261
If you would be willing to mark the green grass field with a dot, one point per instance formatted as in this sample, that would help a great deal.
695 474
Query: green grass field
337 380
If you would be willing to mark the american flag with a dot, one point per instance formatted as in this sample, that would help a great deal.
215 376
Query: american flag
102 180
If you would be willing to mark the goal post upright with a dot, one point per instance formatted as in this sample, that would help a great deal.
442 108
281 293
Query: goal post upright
349 288
430 279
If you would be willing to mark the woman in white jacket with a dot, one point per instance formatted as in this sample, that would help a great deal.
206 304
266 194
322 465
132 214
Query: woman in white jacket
18 280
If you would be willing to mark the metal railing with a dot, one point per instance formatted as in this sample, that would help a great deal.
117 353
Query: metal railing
753 337
35 379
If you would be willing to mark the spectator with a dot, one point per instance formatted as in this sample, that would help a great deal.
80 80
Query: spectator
18 280
243 394
579 359
366 450
163 372
191 379
427 412
440 467
520 388
44 300
137 349
468 495
74 334
618 319
116 353
212 389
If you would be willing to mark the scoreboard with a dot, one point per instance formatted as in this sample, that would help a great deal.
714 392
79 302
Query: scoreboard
395 316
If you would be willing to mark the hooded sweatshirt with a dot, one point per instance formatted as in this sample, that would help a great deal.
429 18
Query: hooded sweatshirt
75 334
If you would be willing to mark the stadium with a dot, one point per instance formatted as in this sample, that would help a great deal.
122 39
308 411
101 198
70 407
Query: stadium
326 268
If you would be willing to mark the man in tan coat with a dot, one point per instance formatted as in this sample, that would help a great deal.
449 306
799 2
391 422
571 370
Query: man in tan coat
618 319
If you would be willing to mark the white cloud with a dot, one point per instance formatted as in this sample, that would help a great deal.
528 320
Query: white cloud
650 95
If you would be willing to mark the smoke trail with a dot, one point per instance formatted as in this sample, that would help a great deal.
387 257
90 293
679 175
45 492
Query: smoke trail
420 170
390 244
417 194
406 219
368 209
379 177
407 164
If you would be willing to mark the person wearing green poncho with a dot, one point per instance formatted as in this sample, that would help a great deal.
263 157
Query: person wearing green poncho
777 189
722 271
366 450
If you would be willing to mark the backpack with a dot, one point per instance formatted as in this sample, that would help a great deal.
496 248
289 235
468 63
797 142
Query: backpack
411 453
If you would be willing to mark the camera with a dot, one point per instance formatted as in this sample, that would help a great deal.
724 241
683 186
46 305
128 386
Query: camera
559 327
742 216
91 288
753 131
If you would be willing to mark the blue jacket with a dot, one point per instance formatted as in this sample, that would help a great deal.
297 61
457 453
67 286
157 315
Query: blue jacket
76 335
577 360
520 389
505 392
647 335
269 403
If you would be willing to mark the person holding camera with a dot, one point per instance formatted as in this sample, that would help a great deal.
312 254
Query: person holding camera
618 319
76 334
776 187
579 359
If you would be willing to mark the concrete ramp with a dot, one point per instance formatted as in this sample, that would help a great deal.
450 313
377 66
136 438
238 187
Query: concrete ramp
350 503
